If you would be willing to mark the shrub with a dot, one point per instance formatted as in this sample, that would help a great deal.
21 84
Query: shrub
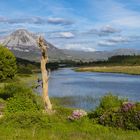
127 119
110 101
19 104
107 103
20 98
8 65
16 89
13 89
118 113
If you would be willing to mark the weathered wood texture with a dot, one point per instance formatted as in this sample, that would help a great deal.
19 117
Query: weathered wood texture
45 73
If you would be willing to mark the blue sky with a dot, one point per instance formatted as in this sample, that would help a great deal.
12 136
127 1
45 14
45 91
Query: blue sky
89 25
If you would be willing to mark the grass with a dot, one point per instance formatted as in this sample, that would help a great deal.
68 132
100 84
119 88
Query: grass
22 78
134 70
59 128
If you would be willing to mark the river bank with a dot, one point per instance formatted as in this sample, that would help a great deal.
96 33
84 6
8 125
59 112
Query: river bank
133 70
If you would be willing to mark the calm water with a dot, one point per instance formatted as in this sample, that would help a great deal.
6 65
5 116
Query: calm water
84 89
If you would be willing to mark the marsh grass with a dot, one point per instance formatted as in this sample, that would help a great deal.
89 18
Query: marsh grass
86 102
134 70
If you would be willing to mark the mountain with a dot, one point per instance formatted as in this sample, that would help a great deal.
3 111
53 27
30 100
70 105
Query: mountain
86 56
99 55
24 45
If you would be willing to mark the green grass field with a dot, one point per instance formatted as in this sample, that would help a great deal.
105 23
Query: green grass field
67 132
59 128
21 78
134 70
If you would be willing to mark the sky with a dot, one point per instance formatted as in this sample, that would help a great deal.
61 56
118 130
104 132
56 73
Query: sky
88 25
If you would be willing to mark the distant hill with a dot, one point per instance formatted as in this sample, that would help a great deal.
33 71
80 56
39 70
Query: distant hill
99 55
23 44
119 60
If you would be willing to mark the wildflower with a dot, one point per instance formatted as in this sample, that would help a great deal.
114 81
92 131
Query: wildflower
77 114
127 106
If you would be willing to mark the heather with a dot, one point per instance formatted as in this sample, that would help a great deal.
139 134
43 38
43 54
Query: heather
117 112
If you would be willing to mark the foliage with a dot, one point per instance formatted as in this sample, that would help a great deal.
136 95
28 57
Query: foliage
28 67
13 89
8 66
110 101
2 106
20 104
20 98
24 70
116 112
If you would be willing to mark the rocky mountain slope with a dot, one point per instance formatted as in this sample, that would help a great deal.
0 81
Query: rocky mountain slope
23 44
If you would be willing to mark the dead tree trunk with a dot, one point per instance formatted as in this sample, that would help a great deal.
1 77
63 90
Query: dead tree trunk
45 73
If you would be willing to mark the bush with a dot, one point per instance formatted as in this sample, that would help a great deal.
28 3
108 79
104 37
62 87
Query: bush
19 104
20 98
107 103
116 112
129 119
8 65
110 102
13 89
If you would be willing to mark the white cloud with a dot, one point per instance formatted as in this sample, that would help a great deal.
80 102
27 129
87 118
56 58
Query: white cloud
57 20
129 21
104 31
109 29
66 34
118 39
113 41
79 47
106 43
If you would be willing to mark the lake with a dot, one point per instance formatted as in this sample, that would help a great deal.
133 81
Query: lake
84 89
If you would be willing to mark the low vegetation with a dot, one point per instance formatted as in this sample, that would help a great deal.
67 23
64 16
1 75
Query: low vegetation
23 117
30 67
112 69
129 64
118 113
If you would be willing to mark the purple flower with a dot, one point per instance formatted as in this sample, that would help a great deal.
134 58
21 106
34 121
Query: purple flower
77 114
127 106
